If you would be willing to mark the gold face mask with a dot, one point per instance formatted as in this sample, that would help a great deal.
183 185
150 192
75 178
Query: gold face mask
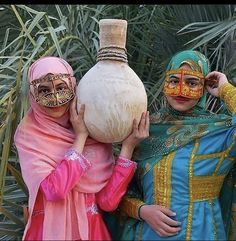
186 83
53 90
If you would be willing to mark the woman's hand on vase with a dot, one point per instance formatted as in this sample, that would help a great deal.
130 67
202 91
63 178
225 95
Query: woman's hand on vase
78 124
140 132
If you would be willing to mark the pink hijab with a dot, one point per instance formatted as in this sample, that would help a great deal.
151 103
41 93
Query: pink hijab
41 143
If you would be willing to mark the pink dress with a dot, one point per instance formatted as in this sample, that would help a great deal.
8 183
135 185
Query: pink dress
64 178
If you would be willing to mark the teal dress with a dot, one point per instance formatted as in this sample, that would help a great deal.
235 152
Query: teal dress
186 165
188 181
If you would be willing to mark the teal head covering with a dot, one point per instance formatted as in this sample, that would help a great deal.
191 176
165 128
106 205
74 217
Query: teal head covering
171 129
196 61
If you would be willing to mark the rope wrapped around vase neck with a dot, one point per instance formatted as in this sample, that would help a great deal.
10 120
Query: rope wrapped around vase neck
112 52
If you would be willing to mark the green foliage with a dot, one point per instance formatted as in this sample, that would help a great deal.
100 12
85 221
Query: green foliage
155 33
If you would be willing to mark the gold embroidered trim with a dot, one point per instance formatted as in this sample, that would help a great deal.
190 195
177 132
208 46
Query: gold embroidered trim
140 231
208 156
213 221
162 181
49 78
227 92
131 206
190 209
224 155
206 187
187 72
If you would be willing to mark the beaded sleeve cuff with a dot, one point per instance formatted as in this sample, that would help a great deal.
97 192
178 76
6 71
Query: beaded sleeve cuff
124 162
73 155
227 92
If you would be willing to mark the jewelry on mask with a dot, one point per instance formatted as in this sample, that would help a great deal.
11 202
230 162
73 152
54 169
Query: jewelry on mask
180 87
56 97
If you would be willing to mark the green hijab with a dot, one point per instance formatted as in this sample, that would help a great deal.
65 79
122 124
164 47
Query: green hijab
171 129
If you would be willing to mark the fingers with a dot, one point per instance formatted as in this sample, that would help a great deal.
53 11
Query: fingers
167 226
214 75
212 84
73 111
170 221
166 211
166 230
135 126
212 80
142 122
157 217
81 111
210 88
147 122
170 230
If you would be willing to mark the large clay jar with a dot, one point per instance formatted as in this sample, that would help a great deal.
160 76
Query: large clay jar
112 92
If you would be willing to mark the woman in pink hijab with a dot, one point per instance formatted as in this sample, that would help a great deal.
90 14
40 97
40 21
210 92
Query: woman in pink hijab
71 178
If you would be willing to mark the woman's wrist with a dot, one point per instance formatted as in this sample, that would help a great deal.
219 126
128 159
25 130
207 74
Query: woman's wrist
82 135
127 151
79 143
139 211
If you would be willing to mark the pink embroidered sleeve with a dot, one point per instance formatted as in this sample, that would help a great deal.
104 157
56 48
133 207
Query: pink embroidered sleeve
110 196
60 181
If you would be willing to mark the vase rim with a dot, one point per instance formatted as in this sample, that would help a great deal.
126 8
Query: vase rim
112 21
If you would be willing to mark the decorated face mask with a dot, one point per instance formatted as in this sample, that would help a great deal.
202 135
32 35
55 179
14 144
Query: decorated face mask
53 90
186 83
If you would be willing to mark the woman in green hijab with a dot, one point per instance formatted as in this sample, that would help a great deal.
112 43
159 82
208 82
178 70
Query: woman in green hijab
184 163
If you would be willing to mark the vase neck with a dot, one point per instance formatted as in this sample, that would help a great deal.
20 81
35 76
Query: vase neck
112 52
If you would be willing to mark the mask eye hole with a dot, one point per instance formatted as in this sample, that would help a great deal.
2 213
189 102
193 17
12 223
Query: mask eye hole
43 90
173 81
193 82
61 87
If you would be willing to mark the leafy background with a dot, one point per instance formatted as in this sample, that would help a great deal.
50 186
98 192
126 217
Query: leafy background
155 33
